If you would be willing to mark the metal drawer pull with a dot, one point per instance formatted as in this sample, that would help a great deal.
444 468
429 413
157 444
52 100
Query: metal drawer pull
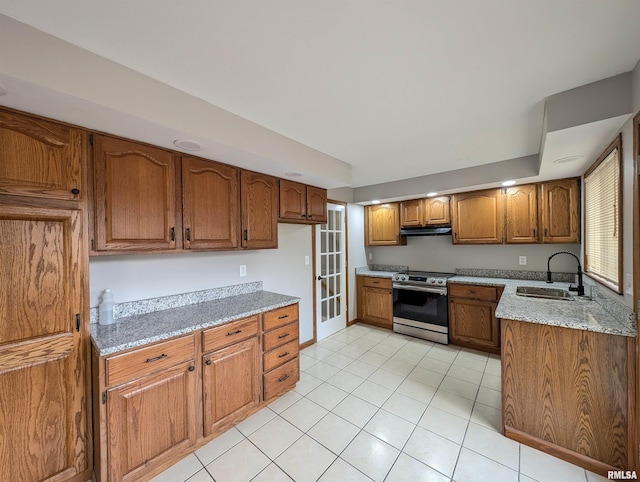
208 362
192 368
282 379
231 333
156 358
284 354
283 336
283 317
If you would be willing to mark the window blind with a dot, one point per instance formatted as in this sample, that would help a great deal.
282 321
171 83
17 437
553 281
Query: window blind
602 219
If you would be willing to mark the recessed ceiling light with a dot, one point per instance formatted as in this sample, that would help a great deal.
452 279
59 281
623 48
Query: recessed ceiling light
293 174
187 144
375 201
508 183
563 160
431 194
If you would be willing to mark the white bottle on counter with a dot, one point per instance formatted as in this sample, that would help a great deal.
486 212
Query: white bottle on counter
105 310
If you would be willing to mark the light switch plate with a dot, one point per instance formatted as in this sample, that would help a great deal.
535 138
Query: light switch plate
522 260
628 284
243 270
306 260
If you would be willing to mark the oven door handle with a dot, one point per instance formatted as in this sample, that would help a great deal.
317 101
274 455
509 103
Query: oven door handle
438 291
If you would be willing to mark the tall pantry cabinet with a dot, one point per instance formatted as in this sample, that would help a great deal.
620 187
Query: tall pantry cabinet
44 334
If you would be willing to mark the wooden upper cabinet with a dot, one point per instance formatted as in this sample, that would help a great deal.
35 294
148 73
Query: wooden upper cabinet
437 210
259 195
43 408
412 213
560 205
210 205
477 217
134 196
41 159
521 214
316 204
382 225
300 203
293 201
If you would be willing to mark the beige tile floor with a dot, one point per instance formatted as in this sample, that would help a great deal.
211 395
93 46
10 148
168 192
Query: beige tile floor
374 405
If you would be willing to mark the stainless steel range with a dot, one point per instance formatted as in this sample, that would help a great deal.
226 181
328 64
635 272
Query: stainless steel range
420 305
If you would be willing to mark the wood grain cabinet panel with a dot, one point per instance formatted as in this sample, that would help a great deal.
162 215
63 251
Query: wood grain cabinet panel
134 196
412 213
316 205
375 301
43 404
41 159
281 368
521 214
149 420
560 205
300 203
259 196
382 225
477 217
566 391
210 205
231 384
437 211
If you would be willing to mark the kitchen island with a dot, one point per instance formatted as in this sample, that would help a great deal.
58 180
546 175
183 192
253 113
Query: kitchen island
568 376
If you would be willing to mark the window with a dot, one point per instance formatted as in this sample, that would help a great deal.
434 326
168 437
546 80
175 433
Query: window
603 217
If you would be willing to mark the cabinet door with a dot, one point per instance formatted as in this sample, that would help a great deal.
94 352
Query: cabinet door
259 211
477 217
210 204
437 210
42 379
316 204
134 191
521 206
293 201
382 225
473 323
412 213
231 384
377 306
148 420
40 158
560 211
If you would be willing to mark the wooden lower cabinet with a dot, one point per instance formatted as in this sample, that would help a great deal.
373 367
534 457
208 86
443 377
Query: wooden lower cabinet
570 393
156 403
375 301
150 419
230 384
472 318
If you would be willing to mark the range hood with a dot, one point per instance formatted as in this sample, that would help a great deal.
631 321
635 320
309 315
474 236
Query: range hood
428 231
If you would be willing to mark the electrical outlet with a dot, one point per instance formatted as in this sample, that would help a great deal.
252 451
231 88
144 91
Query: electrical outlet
522 260
628 284
370 256
243 270
306 260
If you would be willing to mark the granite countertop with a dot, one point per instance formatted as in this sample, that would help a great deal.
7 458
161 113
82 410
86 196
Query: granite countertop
377 274
135 331
580 314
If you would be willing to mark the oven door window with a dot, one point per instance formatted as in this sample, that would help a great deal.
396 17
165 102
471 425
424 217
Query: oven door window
420 306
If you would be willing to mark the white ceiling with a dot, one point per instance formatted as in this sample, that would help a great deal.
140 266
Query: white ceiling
397 89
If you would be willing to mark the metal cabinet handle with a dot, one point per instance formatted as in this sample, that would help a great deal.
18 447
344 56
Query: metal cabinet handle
283 317
282 379
188 233
283 336
283 354
172 233
231 333
75 191
208 362
155 358
192 368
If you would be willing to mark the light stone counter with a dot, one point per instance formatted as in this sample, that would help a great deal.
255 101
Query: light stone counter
579 313
138 330
377 274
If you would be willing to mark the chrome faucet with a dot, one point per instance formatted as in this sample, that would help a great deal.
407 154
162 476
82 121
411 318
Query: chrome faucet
580 287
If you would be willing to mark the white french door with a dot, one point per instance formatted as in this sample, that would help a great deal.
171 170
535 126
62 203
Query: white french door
331 279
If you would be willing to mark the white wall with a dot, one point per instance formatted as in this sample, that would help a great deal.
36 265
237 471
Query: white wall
357 255
436 253
281 270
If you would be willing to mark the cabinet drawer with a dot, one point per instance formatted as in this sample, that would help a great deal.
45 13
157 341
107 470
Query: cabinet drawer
134 364
280 336
281 316
281 379
229 333
375 282
475 292
281 355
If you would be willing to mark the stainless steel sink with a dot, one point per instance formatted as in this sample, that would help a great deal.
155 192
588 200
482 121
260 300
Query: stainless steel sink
546 293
